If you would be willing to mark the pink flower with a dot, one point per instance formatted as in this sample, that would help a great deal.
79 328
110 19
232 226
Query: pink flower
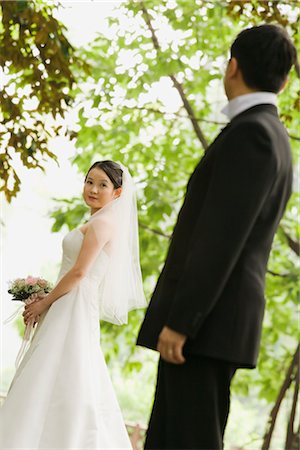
31 281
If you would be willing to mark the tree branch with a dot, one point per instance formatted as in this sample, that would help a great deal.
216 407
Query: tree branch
294 245
176 83
184 116
291 435
275 274
187 116
152 230
296 138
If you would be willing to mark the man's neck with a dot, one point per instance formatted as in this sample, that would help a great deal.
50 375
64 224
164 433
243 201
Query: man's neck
241 90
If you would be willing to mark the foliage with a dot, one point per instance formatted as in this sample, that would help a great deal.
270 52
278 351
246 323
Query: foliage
36 83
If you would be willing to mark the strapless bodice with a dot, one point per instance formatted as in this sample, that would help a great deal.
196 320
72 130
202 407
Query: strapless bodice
71 247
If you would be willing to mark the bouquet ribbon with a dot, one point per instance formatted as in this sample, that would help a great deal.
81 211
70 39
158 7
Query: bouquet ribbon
29 330
13 315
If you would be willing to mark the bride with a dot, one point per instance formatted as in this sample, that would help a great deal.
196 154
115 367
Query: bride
61 396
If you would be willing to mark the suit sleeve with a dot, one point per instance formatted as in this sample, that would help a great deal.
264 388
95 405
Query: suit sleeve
242 176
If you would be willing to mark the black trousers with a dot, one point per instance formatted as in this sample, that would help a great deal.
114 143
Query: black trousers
191 405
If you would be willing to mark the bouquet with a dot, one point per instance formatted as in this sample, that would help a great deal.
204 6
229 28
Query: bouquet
27 290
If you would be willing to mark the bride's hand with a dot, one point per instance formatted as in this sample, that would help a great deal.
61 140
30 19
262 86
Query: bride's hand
34 310
36 320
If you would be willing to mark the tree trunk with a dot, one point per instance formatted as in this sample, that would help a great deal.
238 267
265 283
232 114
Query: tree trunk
291 436
290 376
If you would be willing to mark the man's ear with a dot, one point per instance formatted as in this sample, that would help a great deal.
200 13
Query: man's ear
283 84
232 67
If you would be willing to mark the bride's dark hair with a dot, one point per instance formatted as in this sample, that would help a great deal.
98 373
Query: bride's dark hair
112 170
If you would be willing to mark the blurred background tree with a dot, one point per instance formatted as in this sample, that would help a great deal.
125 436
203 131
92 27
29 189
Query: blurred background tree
152 99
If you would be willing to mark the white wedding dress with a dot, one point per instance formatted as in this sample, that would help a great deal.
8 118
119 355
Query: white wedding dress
61 396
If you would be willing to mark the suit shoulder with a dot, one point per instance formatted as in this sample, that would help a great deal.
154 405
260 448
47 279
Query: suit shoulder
264 135
263 122
249 130
265 125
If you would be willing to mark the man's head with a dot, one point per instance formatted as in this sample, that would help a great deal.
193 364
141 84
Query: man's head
264 56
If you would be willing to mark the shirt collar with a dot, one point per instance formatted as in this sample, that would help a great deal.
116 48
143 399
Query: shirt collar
246 101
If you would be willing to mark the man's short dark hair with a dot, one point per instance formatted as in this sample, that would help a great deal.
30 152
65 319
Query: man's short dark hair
265 55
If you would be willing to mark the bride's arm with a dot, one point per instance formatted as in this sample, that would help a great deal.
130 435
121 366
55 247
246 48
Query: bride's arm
90 249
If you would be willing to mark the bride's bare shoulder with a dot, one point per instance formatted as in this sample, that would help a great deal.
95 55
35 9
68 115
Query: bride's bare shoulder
83 228
100 224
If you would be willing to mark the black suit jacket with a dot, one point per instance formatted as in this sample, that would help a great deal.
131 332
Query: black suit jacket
212 285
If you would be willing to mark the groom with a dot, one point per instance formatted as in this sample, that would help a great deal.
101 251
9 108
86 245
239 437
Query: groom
206 313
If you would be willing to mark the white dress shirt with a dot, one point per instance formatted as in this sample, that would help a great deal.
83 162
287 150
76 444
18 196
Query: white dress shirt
246 101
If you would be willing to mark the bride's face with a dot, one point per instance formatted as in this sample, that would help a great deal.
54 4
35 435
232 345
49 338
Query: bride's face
98 190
